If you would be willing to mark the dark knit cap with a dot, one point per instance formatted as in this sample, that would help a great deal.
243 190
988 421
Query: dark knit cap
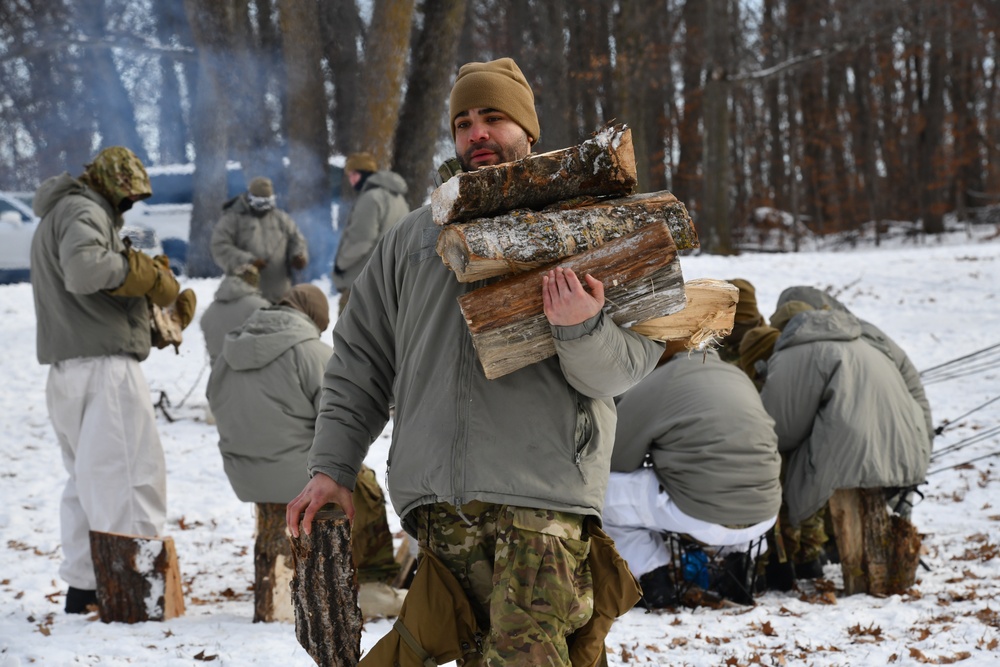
310 300
497 84
757 345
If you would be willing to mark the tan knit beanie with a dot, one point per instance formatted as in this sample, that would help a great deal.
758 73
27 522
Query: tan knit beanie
787 311
498 84
756 345
310 300
361 162
746 307
261 187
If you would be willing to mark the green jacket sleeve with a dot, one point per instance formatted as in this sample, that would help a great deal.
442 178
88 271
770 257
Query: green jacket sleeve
89 261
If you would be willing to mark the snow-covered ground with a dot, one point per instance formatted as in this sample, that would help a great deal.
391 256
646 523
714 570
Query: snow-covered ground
939 301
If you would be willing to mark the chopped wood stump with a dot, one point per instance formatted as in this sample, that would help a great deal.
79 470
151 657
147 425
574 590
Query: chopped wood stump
272 560
138 578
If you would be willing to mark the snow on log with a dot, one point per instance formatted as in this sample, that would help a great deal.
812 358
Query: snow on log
325 591
601 166
642 280
138 578
523 239
709 313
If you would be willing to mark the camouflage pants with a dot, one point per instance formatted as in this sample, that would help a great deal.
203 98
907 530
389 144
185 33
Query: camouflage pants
371 541
805 541
525 572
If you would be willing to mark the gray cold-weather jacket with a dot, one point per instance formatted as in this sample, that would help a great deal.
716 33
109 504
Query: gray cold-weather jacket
380 206
240 236
264 392
842 413
538 437
711 442
76 254
234 301
874 336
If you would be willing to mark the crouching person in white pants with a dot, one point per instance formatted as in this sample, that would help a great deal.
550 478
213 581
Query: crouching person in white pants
695 454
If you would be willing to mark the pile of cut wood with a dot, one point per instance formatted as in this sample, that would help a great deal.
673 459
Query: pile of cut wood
575 208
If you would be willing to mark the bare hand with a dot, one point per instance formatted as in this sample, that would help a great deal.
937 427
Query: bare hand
565 300
320 490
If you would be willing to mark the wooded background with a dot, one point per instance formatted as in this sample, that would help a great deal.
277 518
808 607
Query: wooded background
836 111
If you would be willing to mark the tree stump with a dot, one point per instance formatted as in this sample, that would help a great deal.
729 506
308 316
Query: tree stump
522 239
879 552
601 166
642 280
138 578
272 558
328 620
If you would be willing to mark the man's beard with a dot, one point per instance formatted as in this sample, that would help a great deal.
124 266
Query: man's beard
513 152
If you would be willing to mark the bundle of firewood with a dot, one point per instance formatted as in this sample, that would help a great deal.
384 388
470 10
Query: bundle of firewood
575 208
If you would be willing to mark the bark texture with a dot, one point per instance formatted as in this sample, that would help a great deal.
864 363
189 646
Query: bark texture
272 559
325 591
601 166
138 578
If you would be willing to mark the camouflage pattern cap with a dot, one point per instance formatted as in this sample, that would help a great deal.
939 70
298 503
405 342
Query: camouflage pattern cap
118 174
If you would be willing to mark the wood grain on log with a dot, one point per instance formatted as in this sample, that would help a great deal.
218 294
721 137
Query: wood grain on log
523 239
138 578
642 280
325 591
272 559
709 313
601 166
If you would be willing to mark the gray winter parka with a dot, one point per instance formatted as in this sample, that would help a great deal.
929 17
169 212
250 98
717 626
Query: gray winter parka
539 437
712 444
874 336
264 392
76 254
234 301
240 236
380 206
842 413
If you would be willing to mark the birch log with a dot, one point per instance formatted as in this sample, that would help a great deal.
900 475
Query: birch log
642 280
709 313
325 591
601 166
523 239
138 578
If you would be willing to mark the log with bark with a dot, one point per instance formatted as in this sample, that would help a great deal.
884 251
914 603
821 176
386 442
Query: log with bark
601 166
138 578
879 551
709 314
523 239
325 591
272 560
642 281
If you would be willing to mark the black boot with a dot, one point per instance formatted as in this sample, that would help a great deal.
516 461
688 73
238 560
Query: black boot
811 569
658 589
78 599
779 576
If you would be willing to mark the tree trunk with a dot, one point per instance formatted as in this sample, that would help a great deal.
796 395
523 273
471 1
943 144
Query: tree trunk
325 591
642 279
604 165
272 559
427 87
138 578
342 31
523 239
709 314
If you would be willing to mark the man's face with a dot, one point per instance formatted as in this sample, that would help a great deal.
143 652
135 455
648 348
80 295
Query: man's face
488 137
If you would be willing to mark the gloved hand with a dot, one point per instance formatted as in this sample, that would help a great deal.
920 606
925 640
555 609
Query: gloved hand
299 262
185 307
259 262
148 276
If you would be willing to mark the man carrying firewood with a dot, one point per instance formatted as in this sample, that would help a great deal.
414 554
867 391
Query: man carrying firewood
502 479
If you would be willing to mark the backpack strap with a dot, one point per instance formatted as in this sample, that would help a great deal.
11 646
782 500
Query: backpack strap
411 641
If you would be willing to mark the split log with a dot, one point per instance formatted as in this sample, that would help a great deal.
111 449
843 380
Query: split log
601 166
407 559
709 313
272 560
878 552
325 591
523 239
138 578
642 280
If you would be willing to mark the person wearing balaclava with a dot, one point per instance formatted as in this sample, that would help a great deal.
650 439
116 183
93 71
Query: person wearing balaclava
252 230
93 297
379 206
487 475
264 392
